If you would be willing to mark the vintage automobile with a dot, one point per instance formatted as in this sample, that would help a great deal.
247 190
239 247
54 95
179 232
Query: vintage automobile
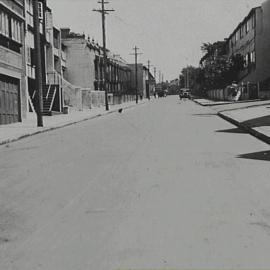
184 93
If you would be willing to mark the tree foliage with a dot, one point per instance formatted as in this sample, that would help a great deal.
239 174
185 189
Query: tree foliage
219 70
216 70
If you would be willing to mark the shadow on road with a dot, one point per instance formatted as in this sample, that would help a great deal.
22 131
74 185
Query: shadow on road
232 130
258 122
264 155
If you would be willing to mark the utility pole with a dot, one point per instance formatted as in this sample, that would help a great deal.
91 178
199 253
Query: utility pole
104 12
187 78
148 65
136 70
155 73
38 69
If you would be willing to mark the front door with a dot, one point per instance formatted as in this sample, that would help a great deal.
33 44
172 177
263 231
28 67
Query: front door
253 91
9 100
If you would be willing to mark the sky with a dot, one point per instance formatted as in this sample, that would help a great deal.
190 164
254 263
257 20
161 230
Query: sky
169 33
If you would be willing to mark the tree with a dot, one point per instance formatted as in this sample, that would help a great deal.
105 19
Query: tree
219 70
195 77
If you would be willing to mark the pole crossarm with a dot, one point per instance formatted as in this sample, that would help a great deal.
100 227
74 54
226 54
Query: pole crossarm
105 10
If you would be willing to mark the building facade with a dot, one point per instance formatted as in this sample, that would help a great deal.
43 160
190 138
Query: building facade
13 104
146 81
251 39
85 65
30 61
72 65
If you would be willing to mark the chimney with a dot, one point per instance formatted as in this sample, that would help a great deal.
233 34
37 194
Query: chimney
65 32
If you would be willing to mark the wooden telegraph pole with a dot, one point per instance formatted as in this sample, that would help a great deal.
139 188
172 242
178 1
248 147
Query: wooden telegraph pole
38 68
148 65
155 75
104 12
136 70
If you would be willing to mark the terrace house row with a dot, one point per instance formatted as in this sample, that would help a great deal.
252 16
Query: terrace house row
72 66
251 39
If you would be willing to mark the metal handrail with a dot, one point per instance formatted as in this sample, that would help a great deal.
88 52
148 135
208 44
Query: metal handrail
34 94
54 93
48 92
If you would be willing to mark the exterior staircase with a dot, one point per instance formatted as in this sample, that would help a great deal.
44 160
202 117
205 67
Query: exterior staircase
49 96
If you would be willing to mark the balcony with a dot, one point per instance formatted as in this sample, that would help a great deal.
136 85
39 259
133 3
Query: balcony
11 59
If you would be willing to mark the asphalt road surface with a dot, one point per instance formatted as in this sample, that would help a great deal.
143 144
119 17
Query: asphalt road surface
165 185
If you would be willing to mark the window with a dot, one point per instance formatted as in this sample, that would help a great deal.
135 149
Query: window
28 55
8 24
40 10
16 30
252 57
243 30
253 21
247 26
246 60
237 36
29 6
4 24
10 32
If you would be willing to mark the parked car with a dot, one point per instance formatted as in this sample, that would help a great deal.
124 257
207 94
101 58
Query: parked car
161 93
184 93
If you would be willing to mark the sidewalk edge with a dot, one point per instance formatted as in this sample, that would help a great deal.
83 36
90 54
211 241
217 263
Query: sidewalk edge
259 135
20 137
234 102
197 102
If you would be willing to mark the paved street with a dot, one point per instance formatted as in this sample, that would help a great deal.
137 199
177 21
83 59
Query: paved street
167 184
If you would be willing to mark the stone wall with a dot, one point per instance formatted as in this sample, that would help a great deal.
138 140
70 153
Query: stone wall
92 98
72 95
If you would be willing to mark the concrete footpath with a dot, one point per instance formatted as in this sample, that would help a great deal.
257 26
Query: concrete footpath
207 102
253 117
17 131
211 103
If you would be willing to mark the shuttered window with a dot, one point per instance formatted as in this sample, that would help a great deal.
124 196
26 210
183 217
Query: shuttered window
4 24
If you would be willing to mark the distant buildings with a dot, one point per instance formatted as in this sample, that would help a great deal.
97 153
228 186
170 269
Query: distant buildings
72 66
146 81
85 68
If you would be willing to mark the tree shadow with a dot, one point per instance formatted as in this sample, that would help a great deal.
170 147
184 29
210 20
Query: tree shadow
264 156
258 122
232 130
